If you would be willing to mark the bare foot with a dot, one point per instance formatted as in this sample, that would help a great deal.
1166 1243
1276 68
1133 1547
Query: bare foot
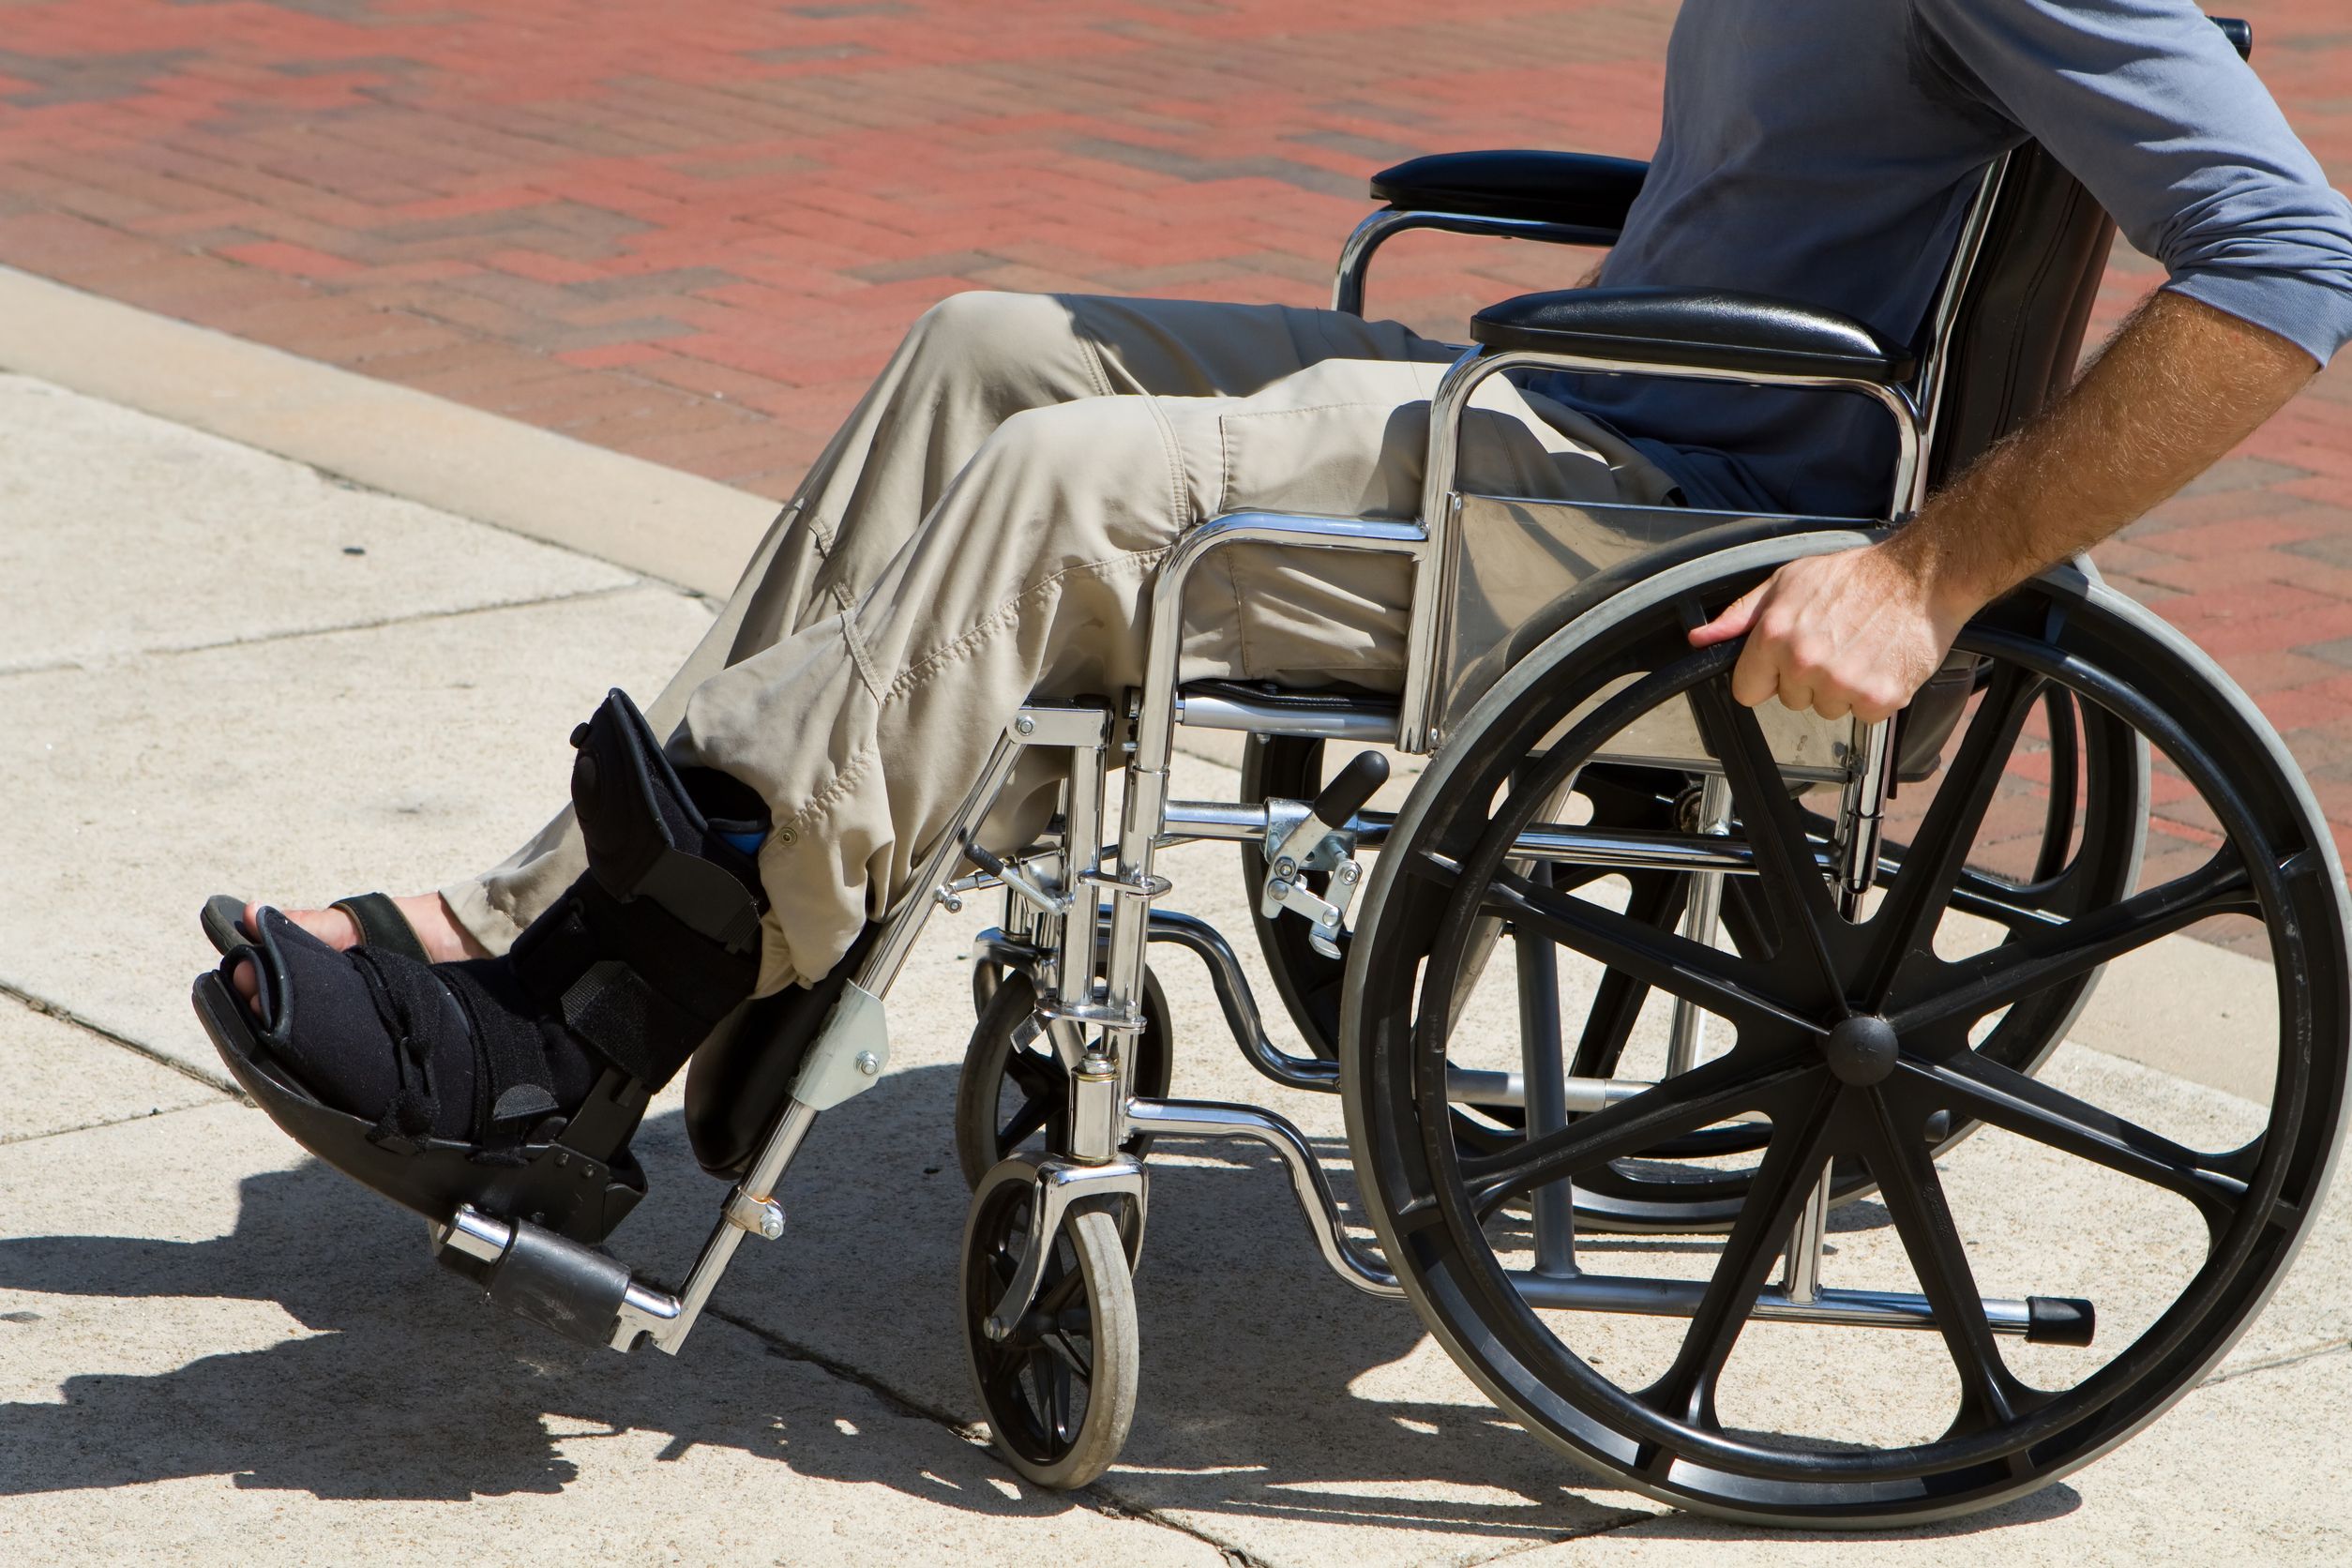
427 915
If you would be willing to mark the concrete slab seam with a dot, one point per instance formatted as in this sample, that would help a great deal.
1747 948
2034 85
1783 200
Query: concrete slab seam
2293 1358
424 617
1095 1498
1592 1534
155 1115
43 1005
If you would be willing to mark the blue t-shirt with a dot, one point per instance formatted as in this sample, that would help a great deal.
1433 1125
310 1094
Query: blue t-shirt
1827 152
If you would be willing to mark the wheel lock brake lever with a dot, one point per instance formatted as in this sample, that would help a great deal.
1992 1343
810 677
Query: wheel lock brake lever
1321 840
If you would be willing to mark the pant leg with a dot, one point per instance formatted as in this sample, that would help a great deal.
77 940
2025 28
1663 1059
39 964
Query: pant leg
970 363
864 728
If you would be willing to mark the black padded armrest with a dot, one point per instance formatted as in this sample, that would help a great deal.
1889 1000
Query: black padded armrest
1699 328
1577 189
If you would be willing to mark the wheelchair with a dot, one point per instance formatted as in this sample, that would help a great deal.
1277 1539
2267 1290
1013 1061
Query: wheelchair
1630 962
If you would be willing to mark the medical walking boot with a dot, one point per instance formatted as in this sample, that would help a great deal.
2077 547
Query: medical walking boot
515 1084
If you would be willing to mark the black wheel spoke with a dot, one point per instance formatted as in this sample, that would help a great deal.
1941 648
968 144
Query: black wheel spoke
1900 1159
1053 1391
1856 1050
2036 961
1710 1093
1055 1294
1615 1006
1058 1340
1931 861
1793 1163
1972 1086
1026 1123
1784 861
1037 1073
1665 959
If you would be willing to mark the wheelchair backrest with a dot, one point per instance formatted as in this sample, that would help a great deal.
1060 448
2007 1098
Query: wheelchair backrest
2018 331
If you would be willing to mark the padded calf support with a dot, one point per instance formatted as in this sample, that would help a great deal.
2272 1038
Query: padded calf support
645 954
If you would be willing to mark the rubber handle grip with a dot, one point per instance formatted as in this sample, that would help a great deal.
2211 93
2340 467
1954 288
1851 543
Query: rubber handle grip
1357 783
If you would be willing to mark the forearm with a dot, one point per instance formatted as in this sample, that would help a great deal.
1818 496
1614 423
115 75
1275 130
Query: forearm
1859 632
2175 390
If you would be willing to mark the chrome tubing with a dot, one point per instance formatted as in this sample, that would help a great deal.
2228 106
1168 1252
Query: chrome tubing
1154 712
668 1333
1580 1096
1211 1119
905 923
1242 1014
1800 1278
1082 827
1183 821
1935 364
1463 1085
1217 710
1434 585
1863 818
1032 725
1679 1298
1355 256
1699 924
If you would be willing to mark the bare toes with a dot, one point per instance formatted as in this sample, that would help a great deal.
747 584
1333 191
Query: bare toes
247 983
335 927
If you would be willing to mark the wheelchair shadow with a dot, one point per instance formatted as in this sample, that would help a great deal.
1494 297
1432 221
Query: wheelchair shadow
408 1386
1270 1393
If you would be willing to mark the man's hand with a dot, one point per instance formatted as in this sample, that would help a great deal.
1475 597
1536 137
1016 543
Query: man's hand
1862 631
1855 632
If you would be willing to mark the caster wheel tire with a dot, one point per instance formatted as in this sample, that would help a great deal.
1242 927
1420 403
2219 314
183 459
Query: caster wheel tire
1009 1096
1857 1045
1059 1391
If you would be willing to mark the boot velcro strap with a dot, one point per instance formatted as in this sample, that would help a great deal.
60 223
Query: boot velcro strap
629 1023
704 898
513 1086
586 958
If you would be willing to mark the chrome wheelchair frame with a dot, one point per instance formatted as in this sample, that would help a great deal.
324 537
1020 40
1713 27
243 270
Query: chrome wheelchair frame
1078 922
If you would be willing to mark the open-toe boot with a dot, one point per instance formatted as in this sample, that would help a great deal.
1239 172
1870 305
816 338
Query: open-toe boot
514 1084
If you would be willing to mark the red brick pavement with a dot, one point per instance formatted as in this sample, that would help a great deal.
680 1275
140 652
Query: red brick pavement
690 229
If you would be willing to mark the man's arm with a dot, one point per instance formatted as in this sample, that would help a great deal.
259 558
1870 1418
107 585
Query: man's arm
2176 138
1860 631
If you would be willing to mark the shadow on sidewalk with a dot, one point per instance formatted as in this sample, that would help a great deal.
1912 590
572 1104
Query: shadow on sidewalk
1261 1393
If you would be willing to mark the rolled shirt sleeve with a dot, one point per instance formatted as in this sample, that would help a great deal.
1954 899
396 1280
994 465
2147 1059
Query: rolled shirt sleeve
2149 106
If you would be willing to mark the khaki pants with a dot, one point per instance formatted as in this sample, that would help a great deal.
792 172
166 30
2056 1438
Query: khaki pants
984 527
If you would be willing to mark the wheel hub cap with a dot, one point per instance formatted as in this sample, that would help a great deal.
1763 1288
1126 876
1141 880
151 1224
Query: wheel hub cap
1861 1050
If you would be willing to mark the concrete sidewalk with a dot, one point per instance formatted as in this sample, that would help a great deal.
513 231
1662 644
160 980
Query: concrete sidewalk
220 669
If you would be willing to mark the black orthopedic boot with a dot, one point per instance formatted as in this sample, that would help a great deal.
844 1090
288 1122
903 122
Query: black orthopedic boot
514 1084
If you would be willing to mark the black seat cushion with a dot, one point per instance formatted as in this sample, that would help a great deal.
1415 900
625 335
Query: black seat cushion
1575 189
1708 329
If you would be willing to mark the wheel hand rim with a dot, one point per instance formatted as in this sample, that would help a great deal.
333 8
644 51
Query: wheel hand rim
2018 1412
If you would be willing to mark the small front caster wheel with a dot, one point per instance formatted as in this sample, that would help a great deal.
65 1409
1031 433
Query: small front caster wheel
1011 1096
1060 1390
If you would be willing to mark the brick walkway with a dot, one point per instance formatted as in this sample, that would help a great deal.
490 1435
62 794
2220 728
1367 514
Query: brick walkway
689 230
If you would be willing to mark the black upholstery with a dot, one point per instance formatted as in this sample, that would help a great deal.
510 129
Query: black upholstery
1578 191
1713 328
2019 331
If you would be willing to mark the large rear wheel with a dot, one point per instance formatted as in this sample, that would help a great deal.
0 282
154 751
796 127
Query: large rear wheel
1853 1050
